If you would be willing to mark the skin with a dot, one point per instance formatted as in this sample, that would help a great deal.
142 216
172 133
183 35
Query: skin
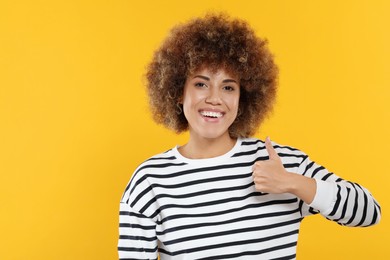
207 91
270 176
218 92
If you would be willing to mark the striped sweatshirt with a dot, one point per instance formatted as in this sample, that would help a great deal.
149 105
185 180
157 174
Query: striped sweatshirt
180 208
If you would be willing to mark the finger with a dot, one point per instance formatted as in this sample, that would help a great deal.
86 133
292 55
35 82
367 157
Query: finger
255 168
270 149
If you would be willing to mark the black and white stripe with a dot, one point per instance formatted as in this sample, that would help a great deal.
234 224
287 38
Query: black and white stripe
180 208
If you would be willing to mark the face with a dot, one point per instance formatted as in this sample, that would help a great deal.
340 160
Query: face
210 103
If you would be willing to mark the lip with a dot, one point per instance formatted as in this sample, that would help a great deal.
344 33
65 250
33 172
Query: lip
212 110
211 119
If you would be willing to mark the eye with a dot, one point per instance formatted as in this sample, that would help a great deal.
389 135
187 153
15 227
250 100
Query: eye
200 85
228 88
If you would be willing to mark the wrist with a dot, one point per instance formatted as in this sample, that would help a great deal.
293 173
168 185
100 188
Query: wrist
291 185
301 186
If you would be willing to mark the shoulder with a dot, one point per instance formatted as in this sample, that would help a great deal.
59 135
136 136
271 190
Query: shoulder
148 169
156 161
255 143
153 164
288 150
287 153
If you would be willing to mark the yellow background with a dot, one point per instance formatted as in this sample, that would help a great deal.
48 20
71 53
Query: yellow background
74 122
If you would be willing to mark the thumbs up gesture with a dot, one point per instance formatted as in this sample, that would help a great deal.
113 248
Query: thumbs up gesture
270 176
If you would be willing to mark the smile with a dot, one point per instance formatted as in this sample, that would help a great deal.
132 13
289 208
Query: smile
211 114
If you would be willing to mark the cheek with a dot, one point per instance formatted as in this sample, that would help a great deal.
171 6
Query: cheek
186 100
186 109
191 98
189 103
234 103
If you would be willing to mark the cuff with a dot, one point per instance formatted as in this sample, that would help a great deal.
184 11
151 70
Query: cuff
325 197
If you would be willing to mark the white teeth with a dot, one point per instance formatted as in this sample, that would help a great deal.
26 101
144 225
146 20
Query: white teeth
211 114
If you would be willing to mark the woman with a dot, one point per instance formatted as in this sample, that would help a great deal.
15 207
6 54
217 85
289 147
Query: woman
224 194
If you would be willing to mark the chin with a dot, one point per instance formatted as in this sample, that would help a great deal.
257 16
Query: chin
213 135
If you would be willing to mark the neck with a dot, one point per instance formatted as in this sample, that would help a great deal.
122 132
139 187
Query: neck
201 148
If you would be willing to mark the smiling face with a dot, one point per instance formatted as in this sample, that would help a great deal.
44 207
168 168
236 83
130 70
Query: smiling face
210 103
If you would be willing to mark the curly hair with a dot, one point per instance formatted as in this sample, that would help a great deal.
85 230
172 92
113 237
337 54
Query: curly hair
215 41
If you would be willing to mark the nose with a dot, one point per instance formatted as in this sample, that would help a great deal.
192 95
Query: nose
214 97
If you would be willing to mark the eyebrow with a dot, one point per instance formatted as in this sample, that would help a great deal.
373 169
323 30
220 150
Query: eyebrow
208 79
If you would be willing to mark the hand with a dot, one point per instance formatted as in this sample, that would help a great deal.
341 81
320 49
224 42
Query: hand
270 176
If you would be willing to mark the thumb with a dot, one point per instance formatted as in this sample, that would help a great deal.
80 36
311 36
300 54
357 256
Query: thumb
270 149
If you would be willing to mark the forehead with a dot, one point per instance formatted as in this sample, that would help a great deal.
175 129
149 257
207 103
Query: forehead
214 71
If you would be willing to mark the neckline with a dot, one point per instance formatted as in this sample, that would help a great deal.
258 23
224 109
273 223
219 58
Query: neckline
212 160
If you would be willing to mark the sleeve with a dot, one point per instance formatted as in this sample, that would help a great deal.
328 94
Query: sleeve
344 202
137 235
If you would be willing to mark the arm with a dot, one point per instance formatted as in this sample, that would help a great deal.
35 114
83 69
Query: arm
345 202
137 235
342 201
